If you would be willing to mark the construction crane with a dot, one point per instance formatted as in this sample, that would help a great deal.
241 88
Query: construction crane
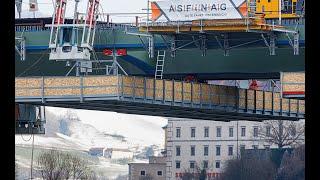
64 44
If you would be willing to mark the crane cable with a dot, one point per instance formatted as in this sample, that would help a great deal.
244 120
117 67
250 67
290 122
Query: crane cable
32 64
25 109
32 156
24 139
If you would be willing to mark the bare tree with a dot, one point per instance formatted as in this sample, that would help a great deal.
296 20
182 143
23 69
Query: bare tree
79 167
146 177
122 177
282 133
59 165
90 175
249 169
196 173
293 165
51 165
16 169
189 175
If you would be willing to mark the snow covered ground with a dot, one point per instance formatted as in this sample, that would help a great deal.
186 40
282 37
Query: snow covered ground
93 129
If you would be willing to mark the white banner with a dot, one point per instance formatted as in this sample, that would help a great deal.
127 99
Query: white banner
188 10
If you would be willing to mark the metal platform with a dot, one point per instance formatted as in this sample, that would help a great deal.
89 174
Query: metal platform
29 119
230 25
146 96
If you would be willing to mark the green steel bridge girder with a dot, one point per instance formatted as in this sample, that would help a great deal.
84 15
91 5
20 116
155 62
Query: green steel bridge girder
242 62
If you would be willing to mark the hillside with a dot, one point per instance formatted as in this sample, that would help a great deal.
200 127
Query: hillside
77 131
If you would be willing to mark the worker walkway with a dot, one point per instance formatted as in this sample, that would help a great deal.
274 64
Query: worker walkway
147 96
226 25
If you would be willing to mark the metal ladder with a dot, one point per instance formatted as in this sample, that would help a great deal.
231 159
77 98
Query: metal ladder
252 8
160 64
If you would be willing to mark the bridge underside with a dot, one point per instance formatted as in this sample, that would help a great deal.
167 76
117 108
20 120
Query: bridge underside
165 110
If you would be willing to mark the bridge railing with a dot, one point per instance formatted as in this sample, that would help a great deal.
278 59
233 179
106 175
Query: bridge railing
152 91
65 88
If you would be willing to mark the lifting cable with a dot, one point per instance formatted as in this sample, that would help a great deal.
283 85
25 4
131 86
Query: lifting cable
32 155
24 139
32 64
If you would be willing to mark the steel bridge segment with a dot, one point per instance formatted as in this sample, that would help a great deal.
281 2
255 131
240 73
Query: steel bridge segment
134 95
163 110
180 65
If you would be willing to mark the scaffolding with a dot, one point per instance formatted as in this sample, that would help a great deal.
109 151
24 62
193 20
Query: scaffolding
21 47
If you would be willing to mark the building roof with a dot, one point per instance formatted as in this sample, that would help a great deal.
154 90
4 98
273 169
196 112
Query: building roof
118 149
147 163
96 148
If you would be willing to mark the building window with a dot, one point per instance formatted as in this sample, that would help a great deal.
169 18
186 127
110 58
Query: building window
217 164
268 128
286 6
193 132
178 132
218 148
255 131
242 147
294 6
159 173
177 164
267 147
230 131
230 150
255 146
206 132
193 150
218 131
178 149
142 173
205 150
205 164
243 131
191 164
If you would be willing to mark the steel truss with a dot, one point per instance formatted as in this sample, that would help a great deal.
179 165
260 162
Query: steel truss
271 44
200 40
21 48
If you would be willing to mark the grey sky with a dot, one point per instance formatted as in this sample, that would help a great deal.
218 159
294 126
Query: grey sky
108 6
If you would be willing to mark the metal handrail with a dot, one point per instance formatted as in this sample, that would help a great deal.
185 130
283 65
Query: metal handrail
194 96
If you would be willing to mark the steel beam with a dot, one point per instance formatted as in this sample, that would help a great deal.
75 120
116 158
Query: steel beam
272 46
173 46
226 44
296 44
151 46
203 46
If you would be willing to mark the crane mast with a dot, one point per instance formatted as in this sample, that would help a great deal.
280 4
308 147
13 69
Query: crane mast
64 44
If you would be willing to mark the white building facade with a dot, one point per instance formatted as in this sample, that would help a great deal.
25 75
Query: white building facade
116 153
209 144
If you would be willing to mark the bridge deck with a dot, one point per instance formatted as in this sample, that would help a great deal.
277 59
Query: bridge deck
140 95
